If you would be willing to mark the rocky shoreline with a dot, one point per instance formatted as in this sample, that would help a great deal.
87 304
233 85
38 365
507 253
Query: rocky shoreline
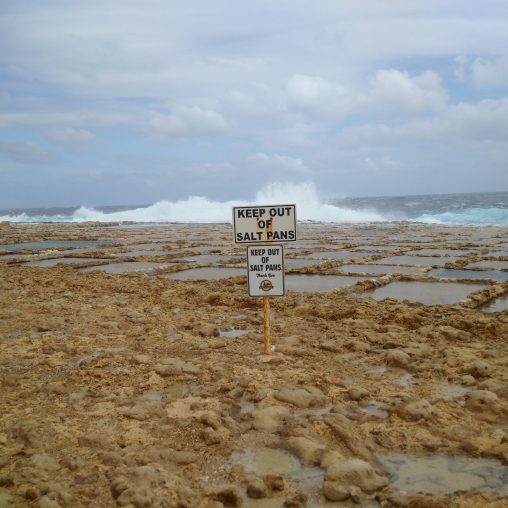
126 390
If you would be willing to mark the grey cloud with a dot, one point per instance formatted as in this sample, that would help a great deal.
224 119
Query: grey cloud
69 136
25 153
187 121
490 72
480 122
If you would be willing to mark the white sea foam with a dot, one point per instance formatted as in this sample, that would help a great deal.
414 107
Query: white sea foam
482 216
309 207
201 209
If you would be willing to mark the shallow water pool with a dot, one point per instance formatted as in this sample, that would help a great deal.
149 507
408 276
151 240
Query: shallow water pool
444 474
128 267
381 269
207 273
319 283
416 260
46 263
498 305
468 274
429 293
48 244
498 265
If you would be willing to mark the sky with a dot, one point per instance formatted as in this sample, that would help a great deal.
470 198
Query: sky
126 102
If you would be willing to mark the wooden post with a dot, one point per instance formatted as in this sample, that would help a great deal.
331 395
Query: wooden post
266 325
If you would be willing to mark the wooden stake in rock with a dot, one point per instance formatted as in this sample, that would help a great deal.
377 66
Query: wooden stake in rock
266 308
266 325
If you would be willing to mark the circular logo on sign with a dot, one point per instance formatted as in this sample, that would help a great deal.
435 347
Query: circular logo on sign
266 285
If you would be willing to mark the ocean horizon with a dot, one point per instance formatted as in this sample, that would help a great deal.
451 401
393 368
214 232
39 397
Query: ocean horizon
485 208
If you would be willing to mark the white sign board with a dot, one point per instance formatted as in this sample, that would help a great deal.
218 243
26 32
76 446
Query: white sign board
259 224
265 270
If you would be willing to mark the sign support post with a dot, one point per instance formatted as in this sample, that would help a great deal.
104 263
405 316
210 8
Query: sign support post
266 325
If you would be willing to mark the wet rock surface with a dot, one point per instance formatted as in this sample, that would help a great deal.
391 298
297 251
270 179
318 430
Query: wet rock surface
118 390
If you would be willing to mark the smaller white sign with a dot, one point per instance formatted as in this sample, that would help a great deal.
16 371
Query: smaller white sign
265 270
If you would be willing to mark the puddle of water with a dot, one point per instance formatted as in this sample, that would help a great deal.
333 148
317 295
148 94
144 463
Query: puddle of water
451 391
335 254
152 396
442 252
45 263
128 267
498 253
247 408
445 475
324 410
416 260
208 258
146 246
498 305
377 370
141 253
407 381
47 244
319 283
6 257
78 251
498 265
380 269
371 231
468 274
374 408
263 461
378 247
429 293
298 262
210 273
233 334
202 248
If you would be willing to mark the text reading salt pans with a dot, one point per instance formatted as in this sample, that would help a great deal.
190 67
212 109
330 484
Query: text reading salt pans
264 224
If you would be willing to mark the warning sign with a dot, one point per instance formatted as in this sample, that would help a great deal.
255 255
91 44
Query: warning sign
258 224
265 270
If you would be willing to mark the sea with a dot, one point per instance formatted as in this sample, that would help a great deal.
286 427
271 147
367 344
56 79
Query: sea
452 209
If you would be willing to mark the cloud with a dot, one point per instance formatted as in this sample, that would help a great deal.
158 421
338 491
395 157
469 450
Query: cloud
490 71
25 152
317 96
485 121
279 163
68 136
396 91
187 122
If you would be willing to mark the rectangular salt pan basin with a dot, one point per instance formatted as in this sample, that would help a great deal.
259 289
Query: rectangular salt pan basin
468 274
319 283
377 269
416 260
442 252
133 266
208 258
445 475
48 244
429 293
336 254
207 273
498 305
135 253
299 262
45 263
498 265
